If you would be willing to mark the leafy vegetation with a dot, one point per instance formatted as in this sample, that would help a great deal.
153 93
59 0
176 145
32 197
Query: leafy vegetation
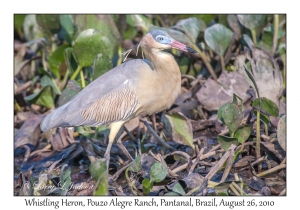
229 119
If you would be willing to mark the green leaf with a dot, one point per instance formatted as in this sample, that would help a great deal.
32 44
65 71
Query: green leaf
99 173
85 131
48 22
18 23
267 105
136 165
158 172
139 21
264 118
130 33
235 101
68 58
103 23
88 44
66 182
44 72
102 64
178 189
67 27
226 141
218 37
251 21
248 41
234 24
220 112
171 194
281 132
251 77
47 81
179 128
232 117
43 97
190 26
56 59
32 31
69 92
147 186
243 133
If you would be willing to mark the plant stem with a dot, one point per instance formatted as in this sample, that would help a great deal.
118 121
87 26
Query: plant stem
82 79
258 138
266 129
56 87
120 55
76 72
63 83
253 33
206 62
129 182
222 62
275 36
18 107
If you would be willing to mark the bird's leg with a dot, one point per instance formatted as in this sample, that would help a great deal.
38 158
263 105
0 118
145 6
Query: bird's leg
121 146
114 129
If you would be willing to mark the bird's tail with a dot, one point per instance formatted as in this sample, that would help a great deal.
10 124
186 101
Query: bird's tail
54 119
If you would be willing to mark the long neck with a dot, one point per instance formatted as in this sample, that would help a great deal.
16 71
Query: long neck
162 62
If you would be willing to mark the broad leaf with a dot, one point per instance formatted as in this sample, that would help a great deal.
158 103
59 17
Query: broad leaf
48 22
102 64
136 165
43 97
68 93
281 132
178 189
103 23
88 44
147 186
251 21
139 21
67 27
179 128
158 172
232 117
226 141
269 106
190 26
100 175
56 59
218 37
243 133
263 117
47 81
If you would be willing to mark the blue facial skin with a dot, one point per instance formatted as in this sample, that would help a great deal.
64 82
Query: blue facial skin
161 37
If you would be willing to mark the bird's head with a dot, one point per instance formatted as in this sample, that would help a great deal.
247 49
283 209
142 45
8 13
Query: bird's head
160 39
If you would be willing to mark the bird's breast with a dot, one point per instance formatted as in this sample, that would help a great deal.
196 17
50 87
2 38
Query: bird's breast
158 91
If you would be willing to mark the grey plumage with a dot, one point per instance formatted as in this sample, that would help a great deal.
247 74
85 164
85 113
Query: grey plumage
104 101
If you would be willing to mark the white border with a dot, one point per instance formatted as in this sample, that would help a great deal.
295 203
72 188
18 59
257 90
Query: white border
8 8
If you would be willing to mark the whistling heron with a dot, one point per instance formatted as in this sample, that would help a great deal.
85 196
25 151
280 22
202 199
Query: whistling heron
136 87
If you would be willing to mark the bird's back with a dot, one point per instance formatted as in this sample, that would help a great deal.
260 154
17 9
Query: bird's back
109 98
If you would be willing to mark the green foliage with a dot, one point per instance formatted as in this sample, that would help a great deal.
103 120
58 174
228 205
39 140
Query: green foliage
218 37
179 128
251 21
100 175
136 165
147 185
56 59
158 172
267 105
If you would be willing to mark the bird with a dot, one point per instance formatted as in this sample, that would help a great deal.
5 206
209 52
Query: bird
137 87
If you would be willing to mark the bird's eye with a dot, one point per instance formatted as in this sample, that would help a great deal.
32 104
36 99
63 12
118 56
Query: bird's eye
159 38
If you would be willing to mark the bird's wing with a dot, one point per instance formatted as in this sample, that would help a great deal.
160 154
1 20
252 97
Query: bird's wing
110 98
